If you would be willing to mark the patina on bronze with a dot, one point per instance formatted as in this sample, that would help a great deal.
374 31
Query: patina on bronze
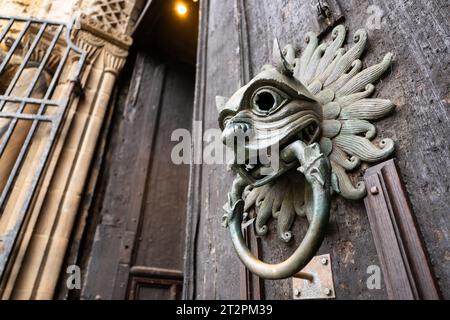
316 109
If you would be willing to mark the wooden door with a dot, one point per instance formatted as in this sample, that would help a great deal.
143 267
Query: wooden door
235 42
137 234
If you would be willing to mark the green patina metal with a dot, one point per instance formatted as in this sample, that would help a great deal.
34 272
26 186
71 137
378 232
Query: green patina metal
316 109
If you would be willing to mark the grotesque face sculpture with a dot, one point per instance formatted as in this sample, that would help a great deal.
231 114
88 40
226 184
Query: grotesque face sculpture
309 113
270 112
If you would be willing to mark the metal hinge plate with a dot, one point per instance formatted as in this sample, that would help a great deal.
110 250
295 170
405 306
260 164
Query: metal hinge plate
315 281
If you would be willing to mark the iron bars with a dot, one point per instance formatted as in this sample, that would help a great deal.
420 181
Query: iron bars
39 71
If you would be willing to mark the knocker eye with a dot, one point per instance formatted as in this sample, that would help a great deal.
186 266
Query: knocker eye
267 100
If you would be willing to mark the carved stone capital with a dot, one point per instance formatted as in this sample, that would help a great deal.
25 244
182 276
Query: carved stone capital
115 58
106 32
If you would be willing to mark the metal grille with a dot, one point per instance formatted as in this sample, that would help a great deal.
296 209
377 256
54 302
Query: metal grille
30 44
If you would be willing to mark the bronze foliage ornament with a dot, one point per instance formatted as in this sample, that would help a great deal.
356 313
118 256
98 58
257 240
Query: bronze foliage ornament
317 108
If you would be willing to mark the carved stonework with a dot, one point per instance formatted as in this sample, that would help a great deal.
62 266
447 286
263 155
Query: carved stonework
98 34
40 50
95 37
115 58
112 13
88 23
317 109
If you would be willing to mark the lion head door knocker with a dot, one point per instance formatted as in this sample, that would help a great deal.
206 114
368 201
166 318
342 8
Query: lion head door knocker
317 110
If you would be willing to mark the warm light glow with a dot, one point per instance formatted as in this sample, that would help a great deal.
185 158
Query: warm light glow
181 9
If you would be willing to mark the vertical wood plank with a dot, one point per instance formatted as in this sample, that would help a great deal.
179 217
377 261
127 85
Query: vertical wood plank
195 172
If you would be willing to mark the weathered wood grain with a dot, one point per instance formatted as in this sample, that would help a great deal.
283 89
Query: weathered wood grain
143 201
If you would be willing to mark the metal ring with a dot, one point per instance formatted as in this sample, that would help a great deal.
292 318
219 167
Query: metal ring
310 243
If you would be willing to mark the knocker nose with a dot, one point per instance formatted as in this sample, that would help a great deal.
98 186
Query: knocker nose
238 128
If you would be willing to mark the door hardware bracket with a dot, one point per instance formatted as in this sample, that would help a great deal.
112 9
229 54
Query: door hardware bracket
315 281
